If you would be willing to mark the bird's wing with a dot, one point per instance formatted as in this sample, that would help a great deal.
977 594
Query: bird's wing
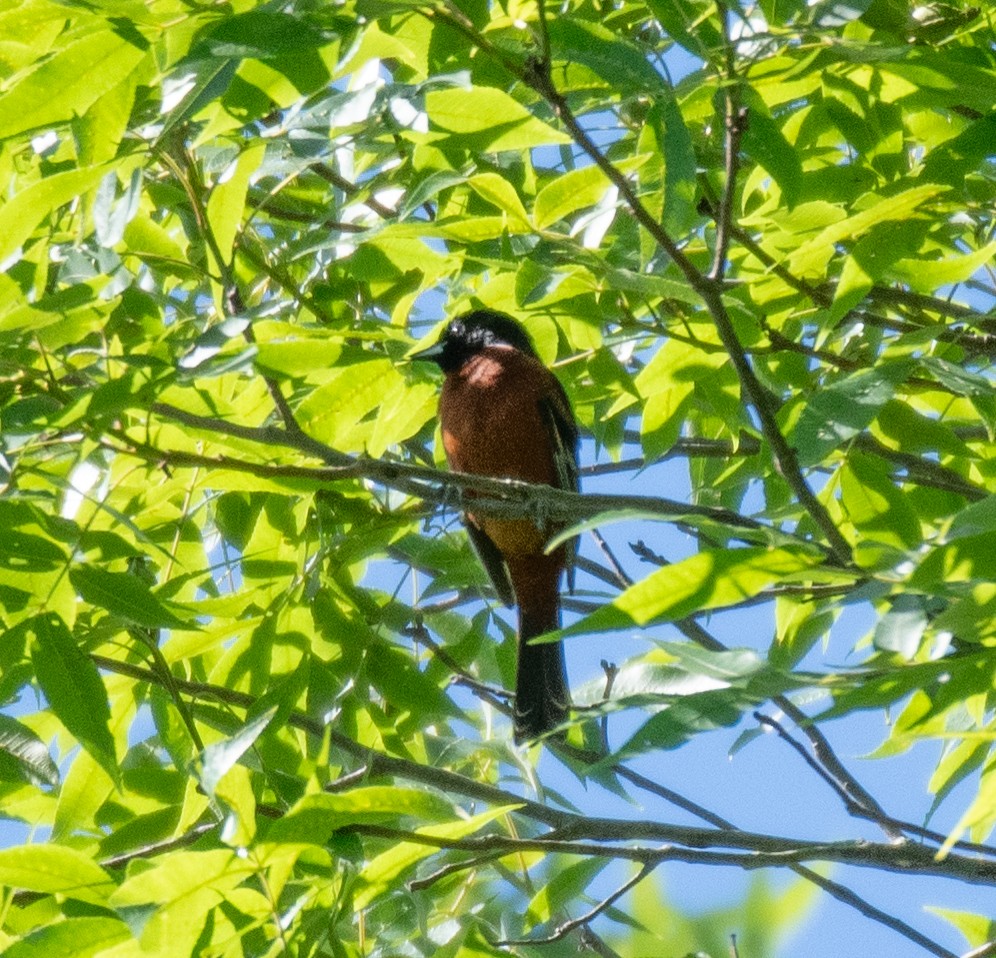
563 432
493 562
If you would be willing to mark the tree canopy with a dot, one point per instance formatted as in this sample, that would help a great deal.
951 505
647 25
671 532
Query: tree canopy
253 679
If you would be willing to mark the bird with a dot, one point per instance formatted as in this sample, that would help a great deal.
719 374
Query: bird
503 414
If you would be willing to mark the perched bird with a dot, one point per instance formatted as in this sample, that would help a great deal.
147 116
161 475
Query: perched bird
504 414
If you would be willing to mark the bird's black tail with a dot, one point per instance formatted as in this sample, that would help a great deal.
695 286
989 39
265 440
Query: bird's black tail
542 698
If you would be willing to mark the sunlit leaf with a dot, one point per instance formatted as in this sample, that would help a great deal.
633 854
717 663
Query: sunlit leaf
488 118
51 869
708 580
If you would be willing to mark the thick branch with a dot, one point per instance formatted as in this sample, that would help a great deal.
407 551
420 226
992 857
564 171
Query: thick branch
699 846
506 498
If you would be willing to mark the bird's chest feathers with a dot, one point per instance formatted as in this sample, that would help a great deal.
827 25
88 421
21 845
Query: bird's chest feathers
491 422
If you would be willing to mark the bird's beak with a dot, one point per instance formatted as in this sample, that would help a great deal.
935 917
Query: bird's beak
430 353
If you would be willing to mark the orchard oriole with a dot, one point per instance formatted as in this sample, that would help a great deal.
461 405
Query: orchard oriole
504 414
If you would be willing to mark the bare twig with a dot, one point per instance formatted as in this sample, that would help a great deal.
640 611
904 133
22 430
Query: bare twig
849 803
892 826
747 850
621 578
376 764
826 755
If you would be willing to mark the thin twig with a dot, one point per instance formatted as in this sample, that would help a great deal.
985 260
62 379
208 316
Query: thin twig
895 828
563 930
379 764
622 579
735 123
584 835
594 838
820 771
453 868
850 785
351 189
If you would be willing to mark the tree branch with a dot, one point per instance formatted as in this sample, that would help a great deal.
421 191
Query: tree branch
506 498
537 75
586 835
563 930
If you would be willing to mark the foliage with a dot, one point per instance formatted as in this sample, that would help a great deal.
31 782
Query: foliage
757 238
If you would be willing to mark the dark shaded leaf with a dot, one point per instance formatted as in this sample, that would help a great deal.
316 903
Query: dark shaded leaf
124 594
73 688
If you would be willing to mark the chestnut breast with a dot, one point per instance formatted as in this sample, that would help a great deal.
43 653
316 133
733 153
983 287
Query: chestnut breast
493 426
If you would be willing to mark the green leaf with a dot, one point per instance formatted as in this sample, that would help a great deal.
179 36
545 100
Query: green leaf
484 118
565 886
21 214
219 757
403 414
979 817
262 35
943 79
144 237
838 412
126 595
765 142
708 580
812 256
69 82
927 275
881 689
72 938
971 558
55 870
908 430
226 204
901 629
978 930
692 714
966 383
334 413
979 518
568 193
665 384
23 756
404 686
955 158
22 551
73 688
871 258
875 505
179 874
690 23
499 192
623 67
680 167
315 817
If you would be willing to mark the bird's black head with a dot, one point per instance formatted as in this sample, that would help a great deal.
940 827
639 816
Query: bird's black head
468 334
